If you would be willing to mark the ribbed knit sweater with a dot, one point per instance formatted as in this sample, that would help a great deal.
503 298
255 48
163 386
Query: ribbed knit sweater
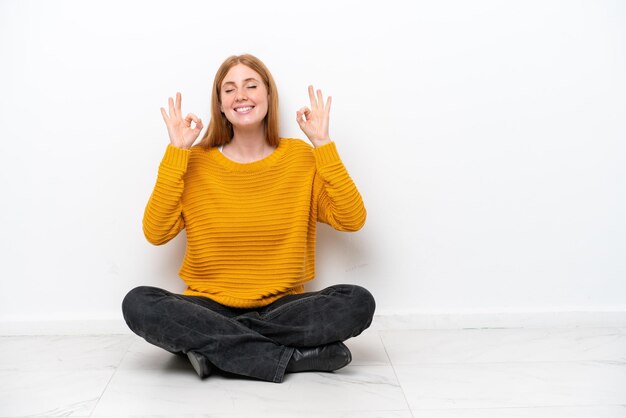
250 226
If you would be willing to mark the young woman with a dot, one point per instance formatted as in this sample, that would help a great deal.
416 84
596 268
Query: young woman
249 201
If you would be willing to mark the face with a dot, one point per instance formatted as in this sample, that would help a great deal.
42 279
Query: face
243 96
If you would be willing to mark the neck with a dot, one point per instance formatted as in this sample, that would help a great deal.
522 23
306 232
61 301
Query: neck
248 145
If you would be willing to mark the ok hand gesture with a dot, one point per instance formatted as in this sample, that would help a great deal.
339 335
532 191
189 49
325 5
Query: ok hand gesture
182 135
314 121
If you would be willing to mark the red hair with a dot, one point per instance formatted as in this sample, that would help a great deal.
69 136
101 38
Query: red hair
220 129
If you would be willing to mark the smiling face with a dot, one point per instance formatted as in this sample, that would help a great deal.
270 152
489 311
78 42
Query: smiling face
243 97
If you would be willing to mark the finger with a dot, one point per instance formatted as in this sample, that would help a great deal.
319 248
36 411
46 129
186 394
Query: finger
198 123
312 97
300 114
328 103
179 99
171 104
306 112
191 117
320 98
164 114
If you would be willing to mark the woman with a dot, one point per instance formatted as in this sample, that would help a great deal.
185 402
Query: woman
249 202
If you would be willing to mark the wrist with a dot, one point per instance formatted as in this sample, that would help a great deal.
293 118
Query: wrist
181 146
321 142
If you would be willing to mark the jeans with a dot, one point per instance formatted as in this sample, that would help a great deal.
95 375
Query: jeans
256 342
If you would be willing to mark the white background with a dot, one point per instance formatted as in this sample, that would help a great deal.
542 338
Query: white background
487 139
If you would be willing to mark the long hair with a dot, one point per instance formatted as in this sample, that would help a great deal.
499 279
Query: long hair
220 129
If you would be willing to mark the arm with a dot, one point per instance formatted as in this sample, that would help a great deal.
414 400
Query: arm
163 217
339 203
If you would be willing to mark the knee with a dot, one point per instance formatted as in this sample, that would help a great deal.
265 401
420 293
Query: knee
366 304
134 303
361 302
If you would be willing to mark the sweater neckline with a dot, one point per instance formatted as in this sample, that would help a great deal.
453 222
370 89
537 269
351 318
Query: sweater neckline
253 166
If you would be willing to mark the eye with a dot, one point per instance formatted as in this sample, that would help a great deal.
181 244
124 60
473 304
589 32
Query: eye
228 91
251 87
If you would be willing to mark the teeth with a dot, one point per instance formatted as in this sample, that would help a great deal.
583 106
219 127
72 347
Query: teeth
243 109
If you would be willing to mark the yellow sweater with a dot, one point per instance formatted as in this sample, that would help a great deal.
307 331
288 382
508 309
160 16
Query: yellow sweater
250 226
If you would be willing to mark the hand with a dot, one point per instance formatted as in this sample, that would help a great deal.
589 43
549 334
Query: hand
314 121
182 135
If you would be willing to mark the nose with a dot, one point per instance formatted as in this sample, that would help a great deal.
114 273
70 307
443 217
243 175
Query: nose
240 97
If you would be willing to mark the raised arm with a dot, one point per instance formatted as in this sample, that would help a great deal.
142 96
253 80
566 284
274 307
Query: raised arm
338 201
163 216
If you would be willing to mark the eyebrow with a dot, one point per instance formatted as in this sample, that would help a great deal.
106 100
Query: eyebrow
245 81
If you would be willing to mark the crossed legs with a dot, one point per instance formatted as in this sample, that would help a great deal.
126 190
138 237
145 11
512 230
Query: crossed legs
252 342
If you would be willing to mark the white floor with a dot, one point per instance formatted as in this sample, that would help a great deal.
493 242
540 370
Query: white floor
478 373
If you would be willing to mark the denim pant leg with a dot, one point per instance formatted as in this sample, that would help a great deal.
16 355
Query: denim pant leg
314 318
180 323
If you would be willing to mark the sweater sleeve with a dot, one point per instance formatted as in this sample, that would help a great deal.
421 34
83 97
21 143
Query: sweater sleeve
339 203
163 216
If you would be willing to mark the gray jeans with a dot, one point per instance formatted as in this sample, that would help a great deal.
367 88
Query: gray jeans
254 342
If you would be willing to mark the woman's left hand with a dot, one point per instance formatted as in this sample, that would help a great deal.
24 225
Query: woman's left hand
314 121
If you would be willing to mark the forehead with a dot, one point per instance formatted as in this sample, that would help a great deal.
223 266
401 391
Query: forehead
240 73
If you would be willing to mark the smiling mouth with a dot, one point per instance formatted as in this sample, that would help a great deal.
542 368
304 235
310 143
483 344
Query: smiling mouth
244 109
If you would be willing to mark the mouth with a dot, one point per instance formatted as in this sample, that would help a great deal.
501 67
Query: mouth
244 109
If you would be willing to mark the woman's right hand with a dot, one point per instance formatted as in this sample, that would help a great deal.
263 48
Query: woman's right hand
182 135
